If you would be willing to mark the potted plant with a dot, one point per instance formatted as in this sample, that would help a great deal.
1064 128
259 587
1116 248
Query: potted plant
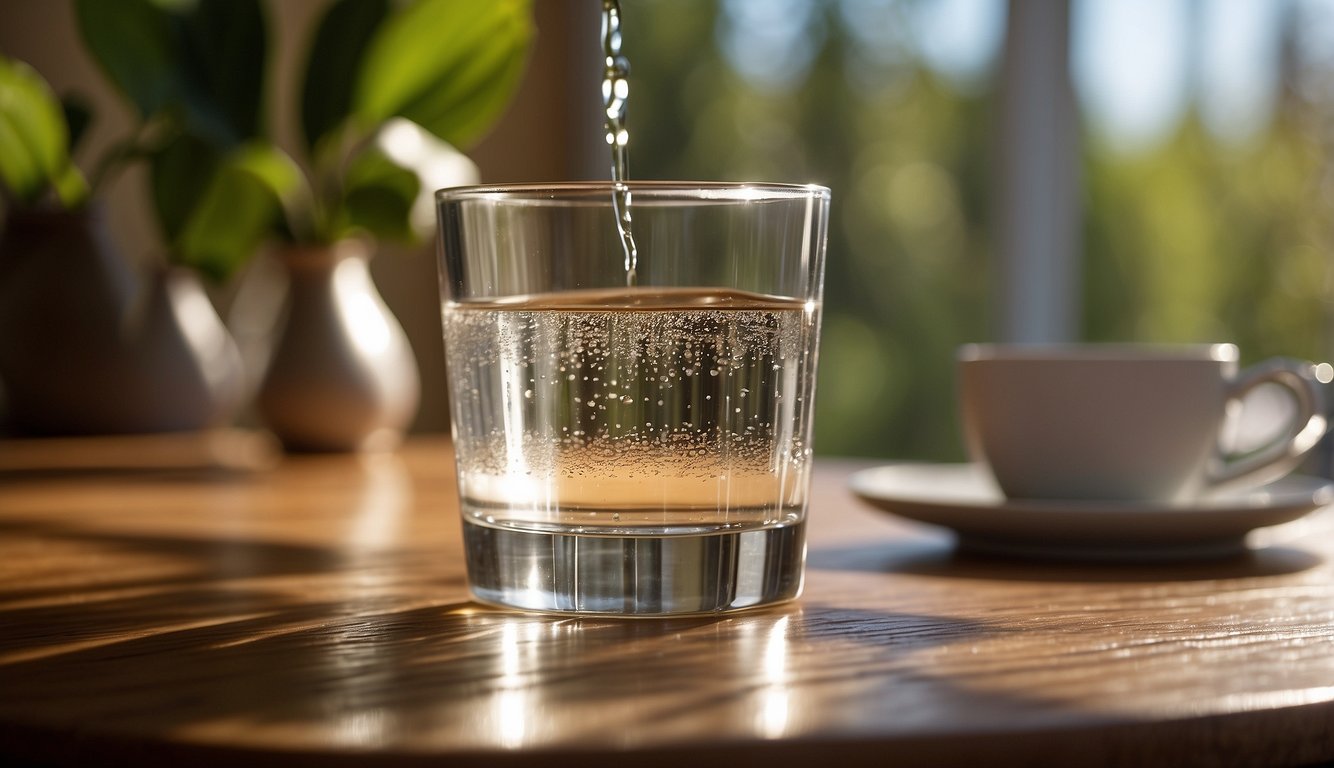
86 346
389 91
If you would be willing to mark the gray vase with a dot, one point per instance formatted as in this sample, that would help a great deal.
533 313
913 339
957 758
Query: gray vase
183 361
86 348
342 376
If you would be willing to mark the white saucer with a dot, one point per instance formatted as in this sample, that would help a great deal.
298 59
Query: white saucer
964 498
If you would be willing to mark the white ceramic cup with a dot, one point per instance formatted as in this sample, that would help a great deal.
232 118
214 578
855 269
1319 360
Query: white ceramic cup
1125 422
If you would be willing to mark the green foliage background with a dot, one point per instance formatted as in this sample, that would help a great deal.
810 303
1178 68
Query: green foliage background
1194 239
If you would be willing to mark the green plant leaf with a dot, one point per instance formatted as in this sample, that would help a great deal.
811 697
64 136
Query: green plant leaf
449 65
335 56
201 60
180 173
70 186
18 169
379 196
34 152
389 185
466 107
223 51
251 188
132 40
380 211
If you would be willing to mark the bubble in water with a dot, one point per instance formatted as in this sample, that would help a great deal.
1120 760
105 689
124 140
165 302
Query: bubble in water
640 360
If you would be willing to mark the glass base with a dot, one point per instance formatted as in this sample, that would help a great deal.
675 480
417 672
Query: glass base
635 575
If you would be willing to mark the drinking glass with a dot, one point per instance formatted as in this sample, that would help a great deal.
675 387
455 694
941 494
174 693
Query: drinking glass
632 422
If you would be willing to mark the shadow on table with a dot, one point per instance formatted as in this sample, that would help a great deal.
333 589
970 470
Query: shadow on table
184 560
250 643
940 558
329 676
208 668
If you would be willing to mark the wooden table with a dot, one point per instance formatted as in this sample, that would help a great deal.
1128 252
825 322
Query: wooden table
318 612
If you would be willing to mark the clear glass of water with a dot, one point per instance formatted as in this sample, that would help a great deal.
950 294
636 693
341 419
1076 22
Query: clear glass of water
632 405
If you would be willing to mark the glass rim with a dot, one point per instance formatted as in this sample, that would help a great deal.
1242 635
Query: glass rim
640 191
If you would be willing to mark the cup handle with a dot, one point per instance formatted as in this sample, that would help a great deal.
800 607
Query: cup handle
1284 453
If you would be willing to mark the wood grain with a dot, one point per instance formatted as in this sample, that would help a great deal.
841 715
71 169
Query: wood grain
319 612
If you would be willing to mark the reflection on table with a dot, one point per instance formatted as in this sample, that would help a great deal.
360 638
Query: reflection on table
319 609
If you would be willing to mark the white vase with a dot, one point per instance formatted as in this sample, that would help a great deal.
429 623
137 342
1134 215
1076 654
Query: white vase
341 376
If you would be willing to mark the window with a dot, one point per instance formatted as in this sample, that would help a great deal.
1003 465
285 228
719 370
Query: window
1194 198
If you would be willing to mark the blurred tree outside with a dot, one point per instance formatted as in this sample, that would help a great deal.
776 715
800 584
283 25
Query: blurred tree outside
1203 238
1194 238
905 154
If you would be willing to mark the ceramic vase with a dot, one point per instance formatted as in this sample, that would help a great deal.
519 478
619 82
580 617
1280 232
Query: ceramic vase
182 359
88 348
341 375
